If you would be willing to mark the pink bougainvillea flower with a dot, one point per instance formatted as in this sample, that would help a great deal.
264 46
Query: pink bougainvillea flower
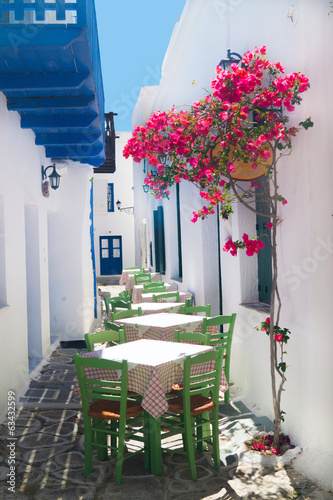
269 225
278 337
230 247
274 451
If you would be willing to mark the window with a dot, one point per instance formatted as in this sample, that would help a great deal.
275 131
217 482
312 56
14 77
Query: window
110 197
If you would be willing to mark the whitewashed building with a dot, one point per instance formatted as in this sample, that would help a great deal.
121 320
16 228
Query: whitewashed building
114 214
51 113
299 35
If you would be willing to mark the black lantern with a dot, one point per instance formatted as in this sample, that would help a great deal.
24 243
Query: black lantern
54 177
127 210
232 57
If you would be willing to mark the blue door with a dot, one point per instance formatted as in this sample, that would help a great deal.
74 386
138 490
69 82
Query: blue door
110 251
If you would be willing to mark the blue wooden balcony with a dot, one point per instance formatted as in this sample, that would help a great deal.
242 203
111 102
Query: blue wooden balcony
50 72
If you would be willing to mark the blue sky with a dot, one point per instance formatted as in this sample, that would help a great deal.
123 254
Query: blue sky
133 38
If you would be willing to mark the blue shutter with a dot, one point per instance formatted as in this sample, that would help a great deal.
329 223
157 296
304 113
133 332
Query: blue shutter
110 197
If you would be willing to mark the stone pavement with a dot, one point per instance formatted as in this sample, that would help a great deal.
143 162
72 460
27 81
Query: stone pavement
48 450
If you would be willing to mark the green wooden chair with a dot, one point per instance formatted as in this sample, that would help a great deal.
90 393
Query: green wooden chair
140 278
195 414
197 337
108 301
153 289
197 309
112 326
129 313
120 304
112 337
153 284
166 296
108 410
223 338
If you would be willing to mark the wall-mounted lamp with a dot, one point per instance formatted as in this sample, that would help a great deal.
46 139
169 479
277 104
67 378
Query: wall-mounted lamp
232 57
54 177
127 210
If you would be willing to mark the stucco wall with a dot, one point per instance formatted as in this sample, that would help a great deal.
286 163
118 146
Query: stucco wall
300 43
45 255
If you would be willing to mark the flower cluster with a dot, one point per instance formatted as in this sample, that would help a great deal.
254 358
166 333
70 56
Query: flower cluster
252 245
263 443
280 334
241 121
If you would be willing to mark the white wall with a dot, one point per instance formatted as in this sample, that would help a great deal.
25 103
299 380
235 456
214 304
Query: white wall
200 40
45 261
117 223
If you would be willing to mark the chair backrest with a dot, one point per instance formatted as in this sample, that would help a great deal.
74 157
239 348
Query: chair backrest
121 303
142 278
126 314
166 296
222 338
112 326
197 309
108 301
134 267
205 380
92 389
195 337
124 293
111 336
153 284
153 289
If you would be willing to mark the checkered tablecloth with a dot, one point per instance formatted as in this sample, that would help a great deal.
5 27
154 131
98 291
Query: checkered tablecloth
151 381
127 279
148 297
162 328
159 307
137 294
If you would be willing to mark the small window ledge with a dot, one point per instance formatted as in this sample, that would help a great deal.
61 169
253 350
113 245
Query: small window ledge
257 306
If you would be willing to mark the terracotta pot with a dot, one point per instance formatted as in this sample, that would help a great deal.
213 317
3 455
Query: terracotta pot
244 171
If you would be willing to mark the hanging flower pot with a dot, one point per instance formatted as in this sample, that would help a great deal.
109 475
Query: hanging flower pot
244 171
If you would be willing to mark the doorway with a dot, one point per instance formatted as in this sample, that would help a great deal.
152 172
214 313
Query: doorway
111 259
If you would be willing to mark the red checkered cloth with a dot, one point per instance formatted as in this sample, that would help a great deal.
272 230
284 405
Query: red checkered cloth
166 334
137 292
148 297
129 280
151 382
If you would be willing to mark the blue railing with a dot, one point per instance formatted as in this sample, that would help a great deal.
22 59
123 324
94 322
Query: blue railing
20 11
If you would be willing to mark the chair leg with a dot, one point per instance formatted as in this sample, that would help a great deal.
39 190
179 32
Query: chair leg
189 445
216 442
87 452
202 430
113 438
120 454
